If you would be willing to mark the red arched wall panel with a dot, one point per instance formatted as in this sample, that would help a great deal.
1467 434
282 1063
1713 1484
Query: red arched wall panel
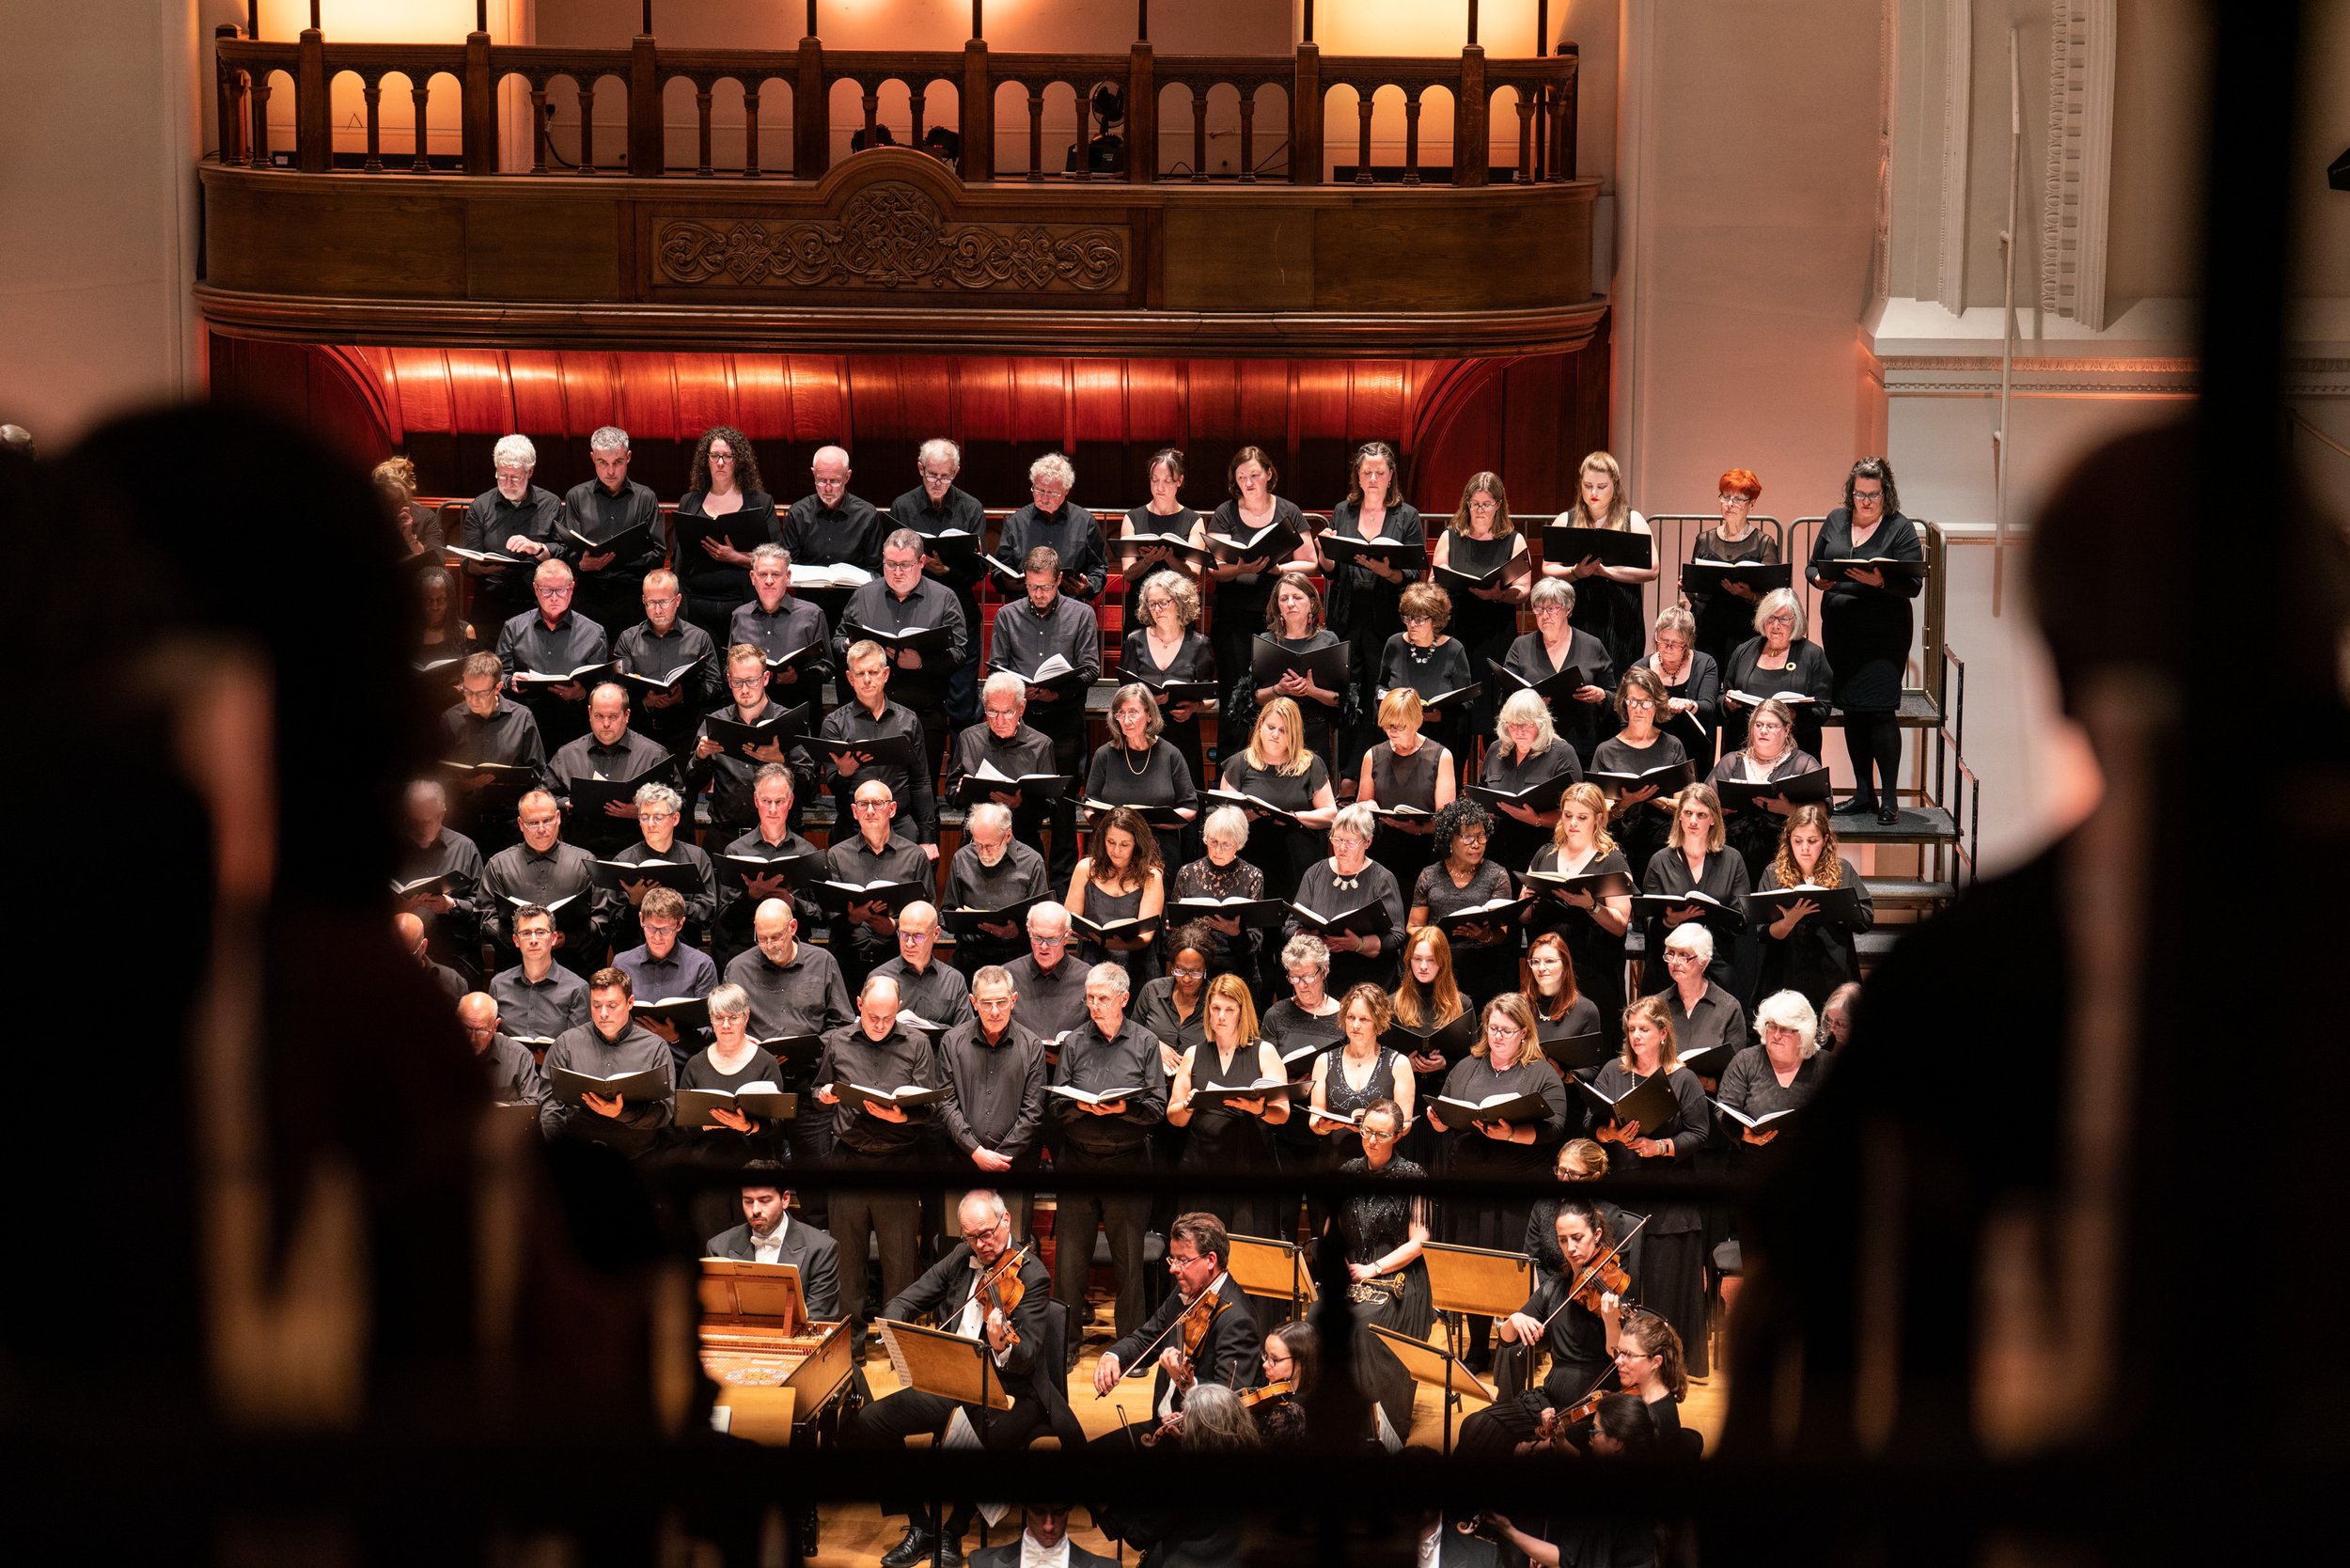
1530 419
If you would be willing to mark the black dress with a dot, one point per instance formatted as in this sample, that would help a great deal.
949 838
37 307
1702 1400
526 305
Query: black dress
1672 1254
1640 830
1511 841
1237 608
1754 830
1103 906
1292 1029
1194 660
1405 782
1322 718
1486 627
1179 523
1495 1222
1363 608
1322 890
1370 1226
1281 850
1581 725
1724 619
1228 1142
1204 879
1164 780
723 1148
1805 670
714 588
1819 954
1699 734
1482 970
1866 630
1442 666
1724 880
1615 613
1597 956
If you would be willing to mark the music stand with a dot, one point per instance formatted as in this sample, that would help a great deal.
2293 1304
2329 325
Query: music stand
735 1290
1438 1369
1269 1268
1475 1279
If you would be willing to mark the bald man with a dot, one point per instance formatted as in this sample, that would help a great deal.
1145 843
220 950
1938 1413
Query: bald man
795 989
866 931
879 1053
611 752
414 943
833 527
513 1071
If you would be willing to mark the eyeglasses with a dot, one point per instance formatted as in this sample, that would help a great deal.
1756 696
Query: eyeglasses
1868 497
1685 955
1411 619
1640 703
746 682
928 477
1049 941
1003 713
1370 1136
913 565
1189 974
1736 501
875 805
917 937
1782 618
983 1235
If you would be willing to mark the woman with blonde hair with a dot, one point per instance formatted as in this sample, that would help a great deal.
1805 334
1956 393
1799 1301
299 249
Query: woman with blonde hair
1696 859
1234 1137
1607 598
1277 772
1590 904
1482 540
1407 779
1805 949
1428 998
1363 1072
1672 1260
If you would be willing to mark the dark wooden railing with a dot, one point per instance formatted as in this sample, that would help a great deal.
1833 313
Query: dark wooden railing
571 82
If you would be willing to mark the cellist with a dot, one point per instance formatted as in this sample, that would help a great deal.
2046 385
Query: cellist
966 1292
1575 1316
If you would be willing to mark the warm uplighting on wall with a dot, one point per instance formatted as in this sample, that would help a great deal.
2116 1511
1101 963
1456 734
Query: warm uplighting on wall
379 21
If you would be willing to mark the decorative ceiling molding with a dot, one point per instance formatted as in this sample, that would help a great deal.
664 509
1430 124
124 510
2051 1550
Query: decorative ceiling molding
1881 254
1958 86
2079 185
1978 375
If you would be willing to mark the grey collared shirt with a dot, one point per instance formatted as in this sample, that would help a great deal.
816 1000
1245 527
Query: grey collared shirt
1051 1001
998 1101
901 1057
518 872
938 991
804 996
637 1128
540 1009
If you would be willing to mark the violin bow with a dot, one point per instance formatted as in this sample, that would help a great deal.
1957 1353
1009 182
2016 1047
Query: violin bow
1585 1278
1143 1359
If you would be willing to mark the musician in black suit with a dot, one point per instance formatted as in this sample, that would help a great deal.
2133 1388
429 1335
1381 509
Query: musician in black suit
1198 1255
1044 1538
768 1235
1017 1351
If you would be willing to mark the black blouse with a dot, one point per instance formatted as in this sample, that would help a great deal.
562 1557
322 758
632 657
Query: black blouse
1865 630
1805 671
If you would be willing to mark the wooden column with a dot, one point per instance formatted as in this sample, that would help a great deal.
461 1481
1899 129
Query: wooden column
481 107
224 98
1471 156
812 114
647 153
1142 111
1305 112
314 122
978 114
1562 117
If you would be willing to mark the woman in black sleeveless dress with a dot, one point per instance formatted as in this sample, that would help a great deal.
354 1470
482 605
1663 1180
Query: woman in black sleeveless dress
1165 515
1865 627
1610 602
1724 616
1590 921
1480 539
1363 592
1408 772
1237 1138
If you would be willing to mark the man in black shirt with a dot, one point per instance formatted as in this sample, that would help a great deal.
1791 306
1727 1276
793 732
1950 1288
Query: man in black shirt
1104 1054
795 989
871 855
607 1047
514 518
429 848
410 931
905 600
543 869
611 752
791 632
512 1070
992 869
662 643
729 769
938 506
879 1053
871 715
538 998
995 1066
551 640
1004 743
742 888
1043 625
928 987
833 527
1050 982
485 727
1051 521
612 509
658 811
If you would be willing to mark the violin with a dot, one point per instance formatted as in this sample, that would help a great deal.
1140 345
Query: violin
1002 1289
1191 1328
1279 1388
1605 1276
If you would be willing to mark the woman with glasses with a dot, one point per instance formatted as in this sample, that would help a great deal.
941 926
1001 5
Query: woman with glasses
1234 1137
1464 876
1163 516
1306 1027
1580 1161
728 1139
1219 874
1506 1061
1769 756
1481 540
1673 1258
1608 599
1174 1007
722 487
1351 880
1161 647
1383 1231
1276 769
1420 658
1723 615
1805 949
1364 593
1526 751
1122 879
1136 766
1244 584
1554 647
1779 659
1407 779
1866 624
1640 815
1779 1076
1649 1363
1692 713
1697 857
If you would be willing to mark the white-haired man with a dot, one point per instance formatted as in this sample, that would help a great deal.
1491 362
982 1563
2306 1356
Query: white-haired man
878 1052
1105 1054
833 527
1052 521
993 870
939 506
515 518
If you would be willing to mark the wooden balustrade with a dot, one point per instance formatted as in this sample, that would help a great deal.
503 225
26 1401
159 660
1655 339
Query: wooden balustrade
1544 88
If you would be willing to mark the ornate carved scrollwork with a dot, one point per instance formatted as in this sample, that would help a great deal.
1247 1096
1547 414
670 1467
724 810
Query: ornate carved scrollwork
891 236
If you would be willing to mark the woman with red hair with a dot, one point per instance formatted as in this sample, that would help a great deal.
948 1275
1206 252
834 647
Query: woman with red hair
1724 615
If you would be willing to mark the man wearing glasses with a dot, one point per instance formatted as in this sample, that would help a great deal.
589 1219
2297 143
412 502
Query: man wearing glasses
665 641
792 632
1051 984
1052 522
930 988
874 854
992 869
833 527
939 506
551 639
1005 742
663 967
1016 1344
732 770
513 518
659 811
878 1052
742 888
1106 1054
906 601
871 715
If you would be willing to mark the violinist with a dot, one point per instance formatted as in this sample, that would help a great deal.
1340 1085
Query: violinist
1574 1314
987 1287
1620 1427
1292 1362
1648 1363
1202 1333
